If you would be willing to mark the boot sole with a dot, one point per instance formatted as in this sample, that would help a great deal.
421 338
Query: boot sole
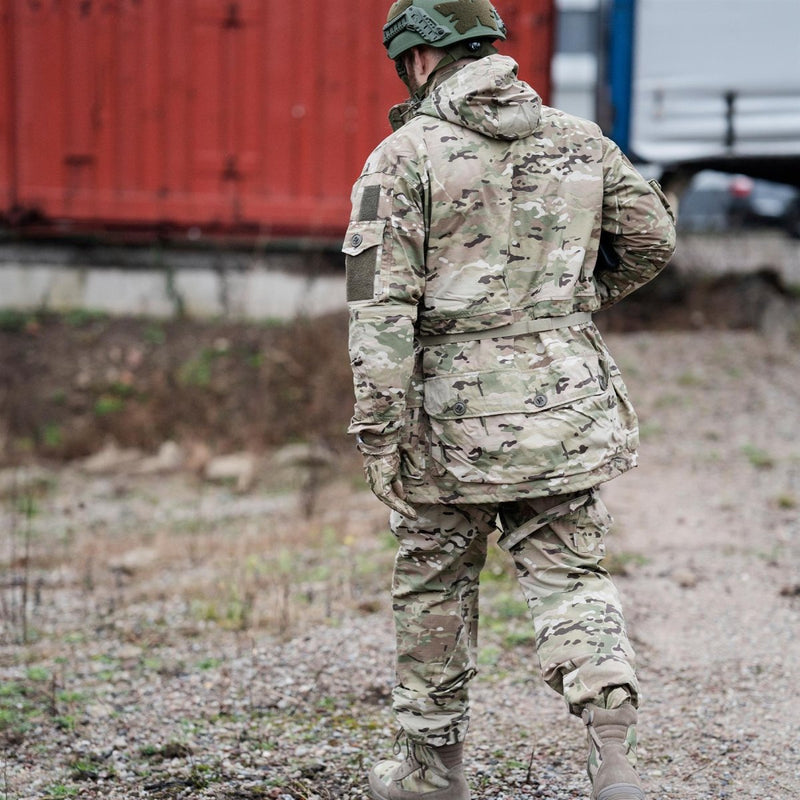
619 791
453 793
377 796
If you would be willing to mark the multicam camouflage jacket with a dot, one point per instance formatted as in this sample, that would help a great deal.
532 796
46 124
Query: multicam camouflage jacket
484 210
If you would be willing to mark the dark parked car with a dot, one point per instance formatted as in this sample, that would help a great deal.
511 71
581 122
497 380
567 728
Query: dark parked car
717 201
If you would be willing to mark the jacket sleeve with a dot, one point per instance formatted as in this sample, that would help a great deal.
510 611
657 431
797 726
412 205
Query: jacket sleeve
385 260
640 223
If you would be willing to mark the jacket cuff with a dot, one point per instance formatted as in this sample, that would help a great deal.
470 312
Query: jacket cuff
370 444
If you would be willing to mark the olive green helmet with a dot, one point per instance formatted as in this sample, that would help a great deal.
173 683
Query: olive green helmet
440 23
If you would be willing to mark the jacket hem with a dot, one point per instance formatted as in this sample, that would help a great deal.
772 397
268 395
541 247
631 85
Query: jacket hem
453 492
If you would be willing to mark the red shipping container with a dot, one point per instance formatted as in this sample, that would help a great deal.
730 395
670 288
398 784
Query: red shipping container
250 117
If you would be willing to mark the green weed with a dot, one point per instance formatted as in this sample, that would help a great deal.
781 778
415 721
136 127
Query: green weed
198 370
489 655
18 708
84 769
82 317
51 435
201 776
758 458
12 321
58 791
620 563
690 379
786 501
519 639
108 404
38 674
66 722
121 390
506 607
154 334
66 696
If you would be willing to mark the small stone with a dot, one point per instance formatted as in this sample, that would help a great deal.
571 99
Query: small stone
111 459
685 578
239 468
170 458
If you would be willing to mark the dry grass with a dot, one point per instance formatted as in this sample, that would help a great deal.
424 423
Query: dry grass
242 563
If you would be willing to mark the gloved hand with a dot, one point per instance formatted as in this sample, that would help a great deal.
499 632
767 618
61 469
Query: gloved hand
383 476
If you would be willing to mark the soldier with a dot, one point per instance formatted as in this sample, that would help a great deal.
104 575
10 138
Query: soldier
484 392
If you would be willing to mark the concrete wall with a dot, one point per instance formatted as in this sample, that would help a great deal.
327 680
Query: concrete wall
163 284
280 286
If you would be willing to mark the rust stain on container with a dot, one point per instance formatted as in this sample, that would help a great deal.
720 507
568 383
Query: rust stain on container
253 115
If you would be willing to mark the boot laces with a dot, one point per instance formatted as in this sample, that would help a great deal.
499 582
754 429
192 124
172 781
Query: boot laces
419 754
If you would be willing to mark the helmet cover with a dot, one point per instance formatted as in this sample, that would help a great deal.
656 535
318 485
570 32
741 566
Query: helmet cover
439 23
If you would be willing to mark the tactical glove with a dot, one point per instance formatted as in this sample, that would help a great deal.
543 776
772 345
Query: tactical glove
383 476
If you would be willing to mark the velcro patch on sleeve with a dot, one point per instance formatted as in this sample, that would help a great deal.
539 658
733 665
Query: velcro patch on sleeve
370 198
361 275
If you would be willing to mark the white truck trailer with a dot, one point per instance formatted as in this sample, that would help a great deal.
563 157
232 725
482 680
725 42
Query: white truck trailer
688 85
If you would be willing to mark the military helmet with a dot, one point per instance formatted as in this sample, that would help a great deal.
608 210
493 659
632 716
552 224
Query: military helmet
440 23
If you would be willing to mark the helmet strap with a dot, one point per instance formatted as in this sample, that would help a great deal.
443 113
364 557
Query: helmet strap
402 72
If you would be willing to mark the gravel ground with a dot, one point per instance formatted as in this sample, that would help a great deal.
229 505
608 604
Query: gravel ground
187 641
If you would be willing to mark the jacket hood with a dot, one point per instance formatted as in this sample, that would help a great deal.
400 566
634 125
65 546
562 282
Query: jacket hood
486 96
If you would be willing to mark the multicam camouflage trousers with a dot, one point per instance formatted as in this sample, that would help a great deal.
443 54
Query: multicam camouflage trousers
580 637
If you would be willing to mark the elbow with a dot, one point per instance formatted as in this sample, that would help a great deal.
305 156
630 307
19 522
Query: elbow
669 242
662 243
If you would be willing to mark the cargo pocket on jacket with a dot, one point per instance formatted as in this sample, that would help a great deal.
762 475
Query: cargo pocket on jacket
362 246
506 426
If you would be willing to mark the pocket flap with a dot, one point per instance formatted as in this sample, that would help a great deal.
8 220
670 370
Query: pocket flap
479 394
363 234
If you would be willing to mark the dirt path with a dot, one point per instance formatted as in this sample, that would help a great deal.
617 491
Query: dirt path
186 641
714 508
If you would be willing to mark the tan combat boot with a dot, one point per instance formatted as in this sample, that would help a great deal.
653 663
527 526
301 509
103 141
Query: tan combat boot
427 773
612 752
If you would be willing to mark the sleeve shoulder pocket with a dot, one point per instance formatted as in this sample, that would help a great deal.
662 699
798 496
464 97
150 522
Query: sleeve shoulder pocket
362 246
